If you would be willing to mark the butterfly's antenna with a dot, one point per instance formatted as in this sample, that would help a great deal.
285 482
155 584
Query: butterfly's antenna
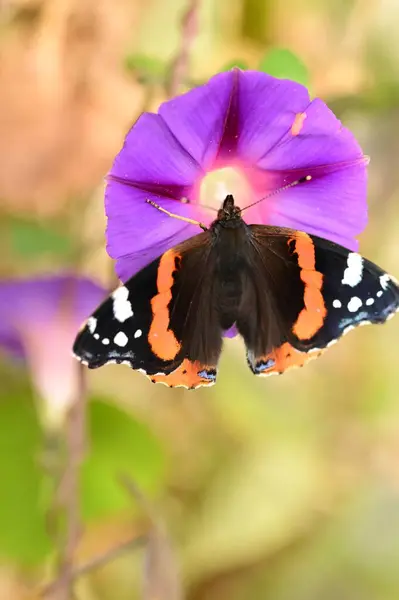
187 201
281 189
191 221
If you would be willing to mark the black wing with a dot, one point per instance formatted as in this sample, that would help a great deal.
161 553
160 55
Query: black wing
306 293
163 321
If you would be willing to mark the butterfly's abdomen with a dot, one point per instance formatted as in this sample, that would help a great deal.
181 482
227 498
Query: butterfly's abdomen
231 268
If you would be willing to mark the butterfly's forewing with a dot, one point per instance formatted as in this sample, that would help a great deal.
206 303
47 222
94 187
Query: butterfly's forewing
314 292
151 322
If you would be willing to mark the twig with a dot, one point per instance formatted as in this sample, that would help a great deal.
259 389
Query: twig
99 561
161 576
67 495
179 65
134 491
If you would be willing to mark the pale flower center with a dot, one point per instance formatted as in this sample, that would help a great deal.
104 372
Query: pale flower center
217 184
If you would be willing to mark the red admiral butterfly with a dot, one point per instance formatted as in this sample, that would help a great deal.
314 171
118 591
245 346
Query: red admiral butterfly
289 294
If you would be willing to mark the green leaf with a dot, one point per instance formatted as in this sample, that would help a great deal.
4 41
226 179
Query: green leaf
118 444
284 64
23 537
147 66
235 63
30 239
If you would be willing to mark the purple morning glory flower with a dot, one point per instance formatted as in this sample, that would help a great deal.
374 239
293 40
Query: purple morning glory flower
38 323
244 133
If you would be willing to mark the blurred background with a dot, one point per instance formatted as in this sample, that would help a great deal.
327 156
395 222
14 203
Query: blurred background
274 489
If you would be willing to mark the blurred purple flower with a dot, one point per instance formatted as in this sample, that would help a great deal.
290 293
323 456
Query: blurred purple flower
38 323
245 133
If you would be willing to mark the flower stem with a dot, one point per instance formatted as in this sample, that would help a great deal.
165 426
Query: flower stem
67 494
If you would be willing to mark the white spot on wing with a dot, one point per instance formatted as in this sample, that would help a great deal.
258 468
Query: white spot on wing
384 281
105 341
121 339
379 293
354 271
138 333
96 336
122 307
370 301
354 304
92 324
337 303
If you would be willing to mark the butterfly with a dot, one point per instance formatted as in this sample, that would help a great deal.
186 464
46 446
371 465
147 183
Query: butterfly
289 295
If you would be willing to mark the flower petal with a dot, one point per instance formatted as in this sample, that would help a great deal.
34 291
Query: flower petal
331 206
39 319
261 111
284 137
11 345
197 118
130 264
240 119
151 165
320 139
152 155
41 301
138 233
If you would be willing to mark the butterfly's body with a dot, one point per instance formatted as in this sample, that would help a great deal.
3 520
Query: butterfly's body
289 294
231 259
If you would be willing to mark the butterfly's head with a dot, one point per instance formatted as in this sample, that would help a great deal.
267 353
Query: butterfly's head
229 211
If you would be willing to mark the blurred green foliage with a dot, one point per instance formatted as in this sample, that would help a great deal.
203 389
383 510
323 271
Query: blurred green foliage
149 69
23 536
31 239
283 63
119 445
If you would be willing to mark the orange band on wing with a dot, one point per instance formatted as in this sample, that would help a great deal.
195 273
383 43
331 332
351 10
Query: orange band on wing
311 318
161 339
283 358
189 375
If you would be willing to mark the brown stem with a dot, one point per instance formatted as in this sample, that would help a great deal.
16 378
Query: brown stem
98 561
135 492
180 64
67 494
